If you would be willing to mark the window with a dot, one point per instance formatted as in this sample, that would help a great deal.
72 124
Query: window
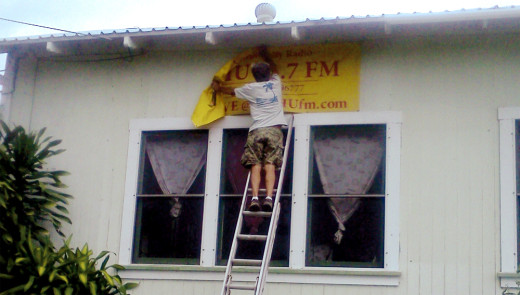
233 180
170 201
509 194
346 196
340 198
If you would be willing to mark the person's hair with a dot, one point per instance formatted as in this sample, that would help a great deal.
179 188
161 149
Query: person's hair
261 71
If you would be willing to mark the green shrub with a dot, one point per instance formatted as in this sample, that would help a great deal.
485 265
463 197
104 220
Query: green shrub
30 196
40 269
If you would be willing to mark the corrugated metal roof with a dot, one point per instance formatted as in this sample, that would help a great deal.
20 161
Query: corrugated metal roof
391 19
110 32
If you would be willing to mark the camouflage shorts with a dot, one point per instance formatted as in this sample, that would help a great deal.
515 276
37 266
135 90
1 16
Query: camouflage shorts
263 146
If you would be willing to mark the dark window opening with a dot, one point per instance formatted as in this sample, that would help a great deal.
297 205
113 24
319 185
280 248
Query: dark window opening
346 229
170 201
233 180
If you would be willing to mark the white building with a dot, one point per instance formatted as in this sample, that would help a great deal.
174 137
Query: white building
439 92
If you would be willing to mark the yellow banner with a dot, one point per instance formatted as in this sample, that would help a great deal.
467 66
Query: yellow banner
315 78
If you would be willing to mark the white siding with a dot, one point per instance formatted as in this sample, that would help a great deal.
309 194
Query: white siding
448 91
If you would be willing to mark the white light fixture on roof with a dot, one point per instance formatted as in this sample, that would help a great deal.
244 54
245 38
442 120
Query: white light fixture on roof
265 13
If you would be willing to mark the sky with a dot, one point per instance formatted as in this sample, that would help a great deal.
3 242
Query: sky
93 15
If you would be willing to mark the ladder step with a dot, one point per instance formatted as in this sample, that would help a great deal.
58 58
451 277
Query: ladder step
252 237
261 190
242 287
247 262
257 213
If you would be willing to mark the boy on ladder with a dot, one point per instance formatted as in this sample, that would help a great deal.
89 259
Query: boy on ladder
264 146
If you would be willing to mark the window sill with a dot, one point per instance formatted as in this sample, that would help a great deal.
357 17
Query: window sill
372 277
509 279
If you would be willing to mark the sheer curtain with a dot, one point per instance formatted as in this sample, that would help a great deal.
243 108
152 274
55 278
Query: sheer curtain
176 160
348 160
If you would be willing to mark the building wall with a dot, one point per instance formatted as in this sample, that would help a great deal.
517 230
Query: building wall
449 94
448 90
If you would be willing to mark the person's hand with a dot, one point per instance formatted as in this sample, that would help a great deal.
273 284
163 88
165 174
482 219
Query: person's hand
215 85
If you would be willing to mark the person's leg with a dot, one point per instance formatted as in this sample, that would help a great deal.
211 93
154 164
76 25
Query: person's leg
250 159
270 178
256 171
254 205
272 160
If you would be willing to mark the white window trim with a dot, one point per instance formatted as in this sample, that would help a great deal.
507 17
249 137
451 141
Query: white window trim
508 212
296 272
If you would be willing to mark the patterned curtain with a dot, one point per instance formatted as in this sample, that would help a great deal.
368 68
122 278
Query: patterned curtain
176 160
348 160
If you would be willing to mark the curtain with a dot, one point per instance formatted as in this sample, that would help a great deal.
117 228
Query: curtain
348 160
177 159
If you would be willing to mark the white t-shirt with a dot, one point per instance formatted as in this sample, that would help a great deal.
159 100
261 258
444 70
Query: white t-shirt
265 102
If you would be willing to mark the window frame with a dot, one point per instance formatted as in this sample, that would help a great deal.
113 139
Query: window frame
508 197
303 122
297 271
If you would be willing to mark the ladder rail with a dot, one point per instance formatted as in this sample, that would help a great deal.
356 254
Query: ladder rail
232 252
276 215
269 240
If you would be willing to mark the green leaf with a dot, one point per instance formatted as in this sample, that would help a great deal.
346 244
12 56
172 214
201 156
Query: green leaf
83 278
29 284
117 266
117 279
50 145
19 260
41 270
56 291
63 278
84 250
130 285
108 277
83 266
13 290
52 275
7 238
62 209
93 290
103 253
69 291
104 264
6 276
40 133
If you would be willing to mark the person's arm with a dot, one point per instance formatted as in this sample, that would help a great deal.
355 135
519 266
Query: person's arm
262 51
215 85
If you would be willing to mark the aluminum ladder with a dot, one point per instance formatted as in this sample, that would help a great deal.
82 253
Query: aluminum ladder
258 286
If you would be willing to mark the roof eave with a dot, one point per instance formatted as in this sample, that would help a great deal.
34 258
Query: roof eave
351 28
